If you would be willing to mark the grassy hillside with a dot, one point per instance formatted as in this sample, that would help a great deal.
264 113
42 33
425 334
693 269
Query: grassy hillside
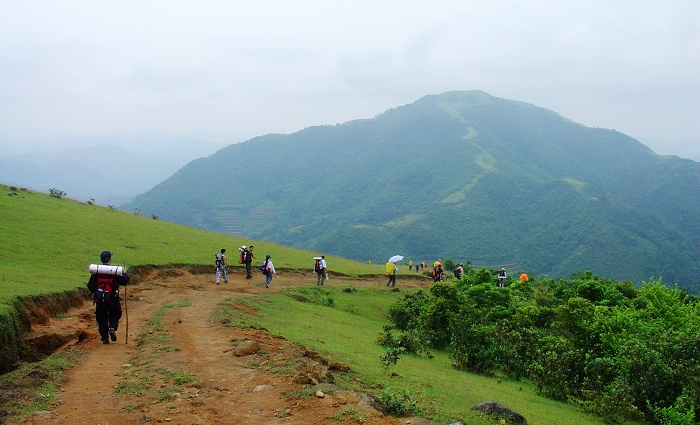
462 175
347 332
49 242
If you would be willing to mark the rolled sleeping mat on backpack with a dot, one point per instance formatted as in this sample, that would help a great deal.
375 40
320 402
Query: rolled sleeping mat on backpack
106 269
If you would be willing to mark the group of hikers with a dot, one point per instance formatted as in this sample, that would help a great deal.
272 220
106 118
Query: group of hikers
438 272
267 268
246 257
105 280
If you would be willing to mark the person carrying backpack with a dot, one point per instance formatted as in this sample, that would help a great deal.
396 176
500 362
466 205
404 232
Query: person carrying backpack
268 269
248 261
221 266
459 271
437 271
502 277
320 269
104 287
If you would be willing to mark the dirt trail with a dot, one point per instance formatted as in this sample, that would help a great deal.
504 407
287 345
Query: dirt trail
228 389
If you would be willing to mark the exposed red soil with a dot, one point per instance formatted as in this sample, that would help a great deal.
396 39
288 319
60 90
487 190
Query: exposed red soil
229 389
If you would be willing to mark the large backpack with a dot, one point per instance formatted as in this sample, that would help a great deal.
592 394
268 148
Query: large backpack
244 253
317 266
218 260
107 290
263 268
437 273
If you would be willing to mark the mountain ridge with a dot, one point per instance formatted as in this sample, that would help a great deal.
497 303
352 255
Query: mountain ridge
463 175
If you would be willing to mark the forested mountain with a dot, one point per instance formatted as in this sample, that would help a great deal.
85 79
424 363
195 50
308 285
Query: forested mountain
462 175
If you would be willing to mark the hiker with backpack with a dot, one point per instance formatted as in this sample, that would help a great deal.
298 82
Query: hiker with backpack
221 266
437 271
320 269
268 269
502 277
248 260
104 286
459 271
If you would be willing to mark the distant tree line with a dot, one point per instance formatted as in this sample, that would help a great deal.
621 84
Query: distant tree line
618 351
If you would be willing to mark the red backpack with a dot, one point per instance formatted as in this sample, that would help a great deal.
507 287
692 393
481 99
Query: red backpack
107 290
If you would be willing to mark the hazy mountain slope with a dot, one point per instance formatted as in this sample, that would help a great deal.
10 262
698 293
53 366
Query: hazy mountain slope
99 169
462 175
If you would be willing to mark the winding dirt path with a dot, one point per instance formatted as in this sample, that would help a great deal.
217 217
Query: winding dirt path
132 383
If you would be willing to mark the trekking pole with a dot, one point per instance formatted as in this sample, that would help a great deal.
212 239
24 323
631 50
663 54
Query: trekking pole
126 311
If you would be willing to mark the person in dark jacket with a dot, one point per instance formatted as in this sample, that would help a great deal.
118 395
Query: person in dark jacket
248 261
105 288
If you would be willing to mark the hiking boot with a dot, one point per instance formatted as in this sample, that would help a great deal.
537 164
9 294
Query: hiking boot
112 334
105 341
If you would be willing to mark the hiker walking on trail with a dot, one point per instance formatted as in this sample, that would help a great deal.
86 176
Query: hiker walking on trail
248 260
410 265
523 277
391 270
320 269
437 271
459 271
268 270
221 266
104 285
502 277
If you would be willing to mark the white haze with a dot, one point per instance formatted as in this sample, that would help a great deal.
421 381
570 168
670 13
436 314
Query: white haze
224 72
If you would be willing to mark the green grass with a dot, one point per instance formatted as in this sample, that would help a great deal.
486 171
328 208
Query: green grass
34 386
347 333
49 242
143 380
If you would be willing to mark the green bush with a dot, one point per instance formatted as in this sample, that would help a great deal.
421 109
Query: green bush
397 404
603 344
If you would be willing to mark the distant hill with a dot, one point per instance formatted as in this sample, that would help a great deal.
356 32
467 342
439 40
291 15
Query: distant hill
101 170
463 175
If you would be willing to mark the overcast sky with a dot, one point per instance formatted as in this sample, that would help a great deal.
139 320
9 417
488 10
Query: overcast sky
226 71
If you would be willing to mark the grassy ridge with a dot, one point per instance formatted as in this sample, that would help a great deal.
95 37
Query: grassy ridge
49 242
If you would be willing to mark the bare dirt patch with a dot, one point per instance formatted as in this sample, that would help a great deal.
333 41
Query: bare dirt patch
180 366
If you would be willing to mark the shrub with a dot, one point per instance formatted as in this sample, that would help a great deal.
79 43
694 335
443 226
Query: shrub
57 193
397 404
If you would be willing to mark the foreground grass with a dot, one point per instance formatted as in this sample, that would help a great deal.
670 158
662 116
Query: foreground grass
147 378
49 242
347 331
33 387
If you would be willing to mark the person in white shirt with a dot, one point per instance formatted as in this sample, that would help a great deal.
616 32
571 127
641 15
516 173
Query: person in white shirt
270 270
320 269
